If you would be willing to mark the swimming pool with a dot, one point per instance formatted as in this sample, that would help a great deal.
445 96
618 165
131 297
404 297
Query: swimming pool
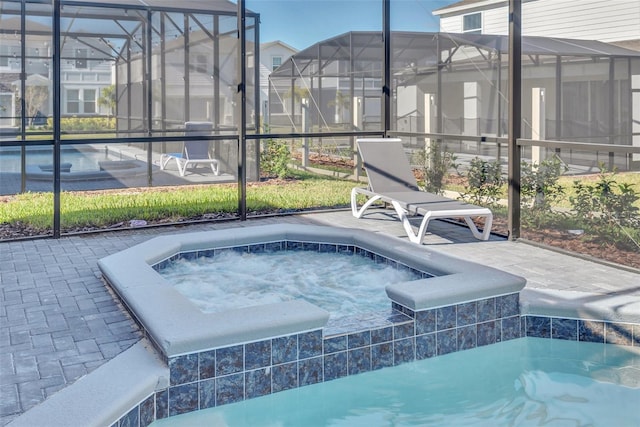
343 283
80 160
76 164
523 382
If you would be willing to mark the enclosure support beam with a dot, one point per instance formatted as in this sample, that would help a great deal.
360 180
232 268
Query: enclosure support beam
187 74
148 47
439 123
56 117
217 116
353 119
386 70
499 128
129 85
611 118
162 77
558 100
23 93
242 111
515 119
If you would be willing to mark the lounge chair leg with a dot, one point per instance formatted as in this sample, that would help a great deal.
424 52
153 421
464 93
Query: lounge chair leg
488 223
487 227
215 167
182 167
164 159
354 204
413 237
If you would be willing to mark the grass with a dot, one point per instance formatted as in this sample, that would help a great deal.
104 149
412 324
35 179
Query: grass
632 178
105 208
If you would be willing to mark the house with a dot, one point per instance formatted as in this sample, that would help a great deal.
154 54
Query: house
84 74
600 97
611 21
272 55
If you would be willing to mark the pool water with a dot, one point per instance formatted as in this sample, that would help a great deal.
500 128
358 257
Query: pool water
81 160
341 284
523 382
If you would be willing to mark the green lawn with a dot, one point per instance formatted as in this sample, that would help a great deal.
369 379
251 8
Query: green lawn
100 209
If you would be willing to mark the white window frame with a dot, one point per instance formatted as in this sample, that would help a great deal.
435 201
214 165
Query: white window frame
273 61
89 103
77 101
474 30
82 101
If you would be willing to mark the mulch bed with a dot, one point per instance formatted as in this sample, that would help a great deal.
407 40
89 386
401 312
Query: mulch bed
575 244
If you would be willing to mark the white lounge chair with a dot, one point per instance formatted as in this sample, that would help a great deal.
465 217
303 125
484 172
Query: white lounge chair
391 180
195 152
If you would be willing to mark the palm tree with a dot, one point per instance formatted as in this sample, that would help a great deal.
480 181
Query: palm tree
108 99
342 102
299 93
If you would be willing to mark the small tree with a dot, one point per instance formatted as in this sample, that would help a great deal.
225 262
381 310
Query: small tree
540 190
436 166
34 99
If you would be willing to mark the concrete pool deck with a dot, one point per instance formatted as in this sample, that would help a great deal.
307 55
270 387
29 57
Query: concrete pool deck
58 322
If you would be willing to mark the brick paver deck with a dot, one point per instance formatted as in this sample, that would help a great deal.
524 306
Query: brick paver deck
58 320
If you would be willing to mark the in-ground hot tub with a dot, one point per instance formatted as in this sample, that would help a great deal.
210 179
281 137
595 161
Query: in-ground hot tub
177 327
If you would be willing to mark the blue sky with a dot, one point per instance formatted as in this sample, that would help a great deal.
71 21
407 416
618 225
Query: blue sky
301 23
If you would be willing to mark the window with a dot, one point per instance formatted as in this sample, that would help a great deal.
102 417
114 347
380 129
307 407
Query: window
276 61
4 56
73 101
81 58
472 23
81 101
201 63
89 101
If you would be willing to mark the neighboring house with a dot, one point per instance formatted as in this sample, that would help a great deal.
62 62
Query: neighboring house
611 21
595 94
82 75
272 55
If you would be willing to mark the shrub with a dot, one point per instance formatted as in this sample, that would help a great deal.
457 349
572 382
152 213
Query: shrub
484 182
540 190
606 208
275 157
95 123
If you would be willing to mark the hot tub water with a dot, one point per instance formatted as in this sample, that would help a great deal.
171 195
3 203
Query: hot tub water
339 283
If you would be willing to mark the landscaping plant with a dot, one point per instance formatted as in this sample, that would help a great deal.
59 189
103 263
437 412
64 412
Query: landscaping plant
436 166
275 158
484 182
540 191
607 208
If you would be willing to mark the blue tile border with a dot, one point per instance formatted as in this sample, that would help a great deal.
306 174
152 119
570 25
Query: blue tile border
284 377
292 245
231 374
627 334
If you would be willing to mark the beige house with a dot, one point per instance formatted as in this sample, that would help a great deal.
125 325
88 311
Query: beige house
610 21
